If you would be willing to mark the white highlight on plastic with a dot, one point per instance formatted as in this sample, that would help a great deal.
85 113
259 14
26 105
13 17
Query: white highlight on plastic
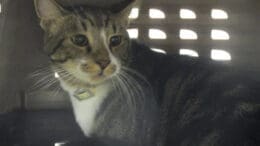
133 33
189 52
59 143
187 34
156 14
158 50
219 14
134 14
157 34
56 75
217 34
0 8
220 55
187 14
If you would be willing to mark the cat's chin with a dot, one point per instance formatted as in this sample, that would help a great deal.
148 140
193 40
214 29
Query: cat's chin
95 80
100 79
82 84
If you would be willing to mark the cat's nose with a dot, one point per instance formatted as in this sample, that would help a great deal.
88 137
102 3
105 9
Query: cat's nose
103 63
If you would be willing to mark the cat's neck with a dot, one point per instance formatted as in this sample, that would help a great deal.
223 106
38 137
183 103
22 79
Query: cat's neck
86 109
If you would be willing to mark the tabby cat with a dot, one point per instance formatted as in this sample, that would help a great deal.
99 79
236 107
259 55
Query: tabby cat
120 90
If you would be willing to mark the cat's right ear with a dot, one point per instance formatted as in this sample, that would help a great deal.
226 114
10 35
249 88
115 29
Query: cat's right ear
122 10
48 9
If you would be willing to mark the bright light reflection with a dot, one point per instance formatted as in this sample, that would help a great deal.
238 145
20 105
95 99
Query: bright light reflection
134 13
157 34
187 34
56 75
220 55
59 143
158 50
219 35
133 33
189 52
156 14
219 14
187 14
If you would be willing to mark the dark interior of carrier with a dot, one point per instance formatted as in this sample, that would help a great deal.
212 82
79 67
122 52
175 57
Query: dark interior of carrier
37 116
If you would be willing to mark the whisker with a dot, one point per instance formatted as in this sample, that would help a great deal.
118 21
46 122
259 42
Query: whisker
135 87
44 77
130 96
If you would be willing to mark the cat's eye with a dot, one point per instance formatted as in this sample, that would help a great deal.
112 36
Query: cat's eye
80 40
115 41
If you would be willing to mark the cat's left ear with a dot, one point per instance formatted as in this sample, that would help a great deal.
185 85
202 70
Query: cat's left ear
48 9
122 10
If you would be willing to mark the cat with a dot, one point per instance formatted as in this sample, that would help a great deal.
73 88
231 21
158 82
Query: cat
121 90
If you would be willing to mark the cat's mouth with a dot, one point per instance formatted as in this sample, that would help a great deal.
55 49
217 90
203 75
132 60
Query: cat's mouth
99 78
103 75
74 80
79 78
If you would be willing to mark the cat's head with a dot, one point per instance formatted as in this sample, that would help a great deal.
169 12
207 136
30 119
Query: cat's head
86 44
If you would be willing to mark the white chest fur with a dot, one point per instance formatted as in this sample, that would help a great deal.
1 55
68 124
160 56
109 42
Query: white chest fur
85 111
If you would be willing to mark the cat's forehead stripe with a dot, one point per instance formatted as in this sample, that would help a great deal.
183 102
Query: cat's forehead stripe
85 16
97 18
107 20
100 20
83 25
114 28
90 20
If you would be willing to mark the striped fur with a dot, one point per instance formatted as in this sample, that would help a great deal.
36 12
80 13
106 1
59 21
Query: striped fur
145 98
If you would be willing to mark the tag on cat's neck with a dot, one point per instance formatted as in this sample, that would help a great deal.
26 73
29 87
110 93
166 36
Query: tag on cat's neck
84 94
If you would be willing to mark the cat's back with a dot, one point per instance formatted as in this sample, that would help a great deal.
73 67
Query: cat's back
202 102
207 103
